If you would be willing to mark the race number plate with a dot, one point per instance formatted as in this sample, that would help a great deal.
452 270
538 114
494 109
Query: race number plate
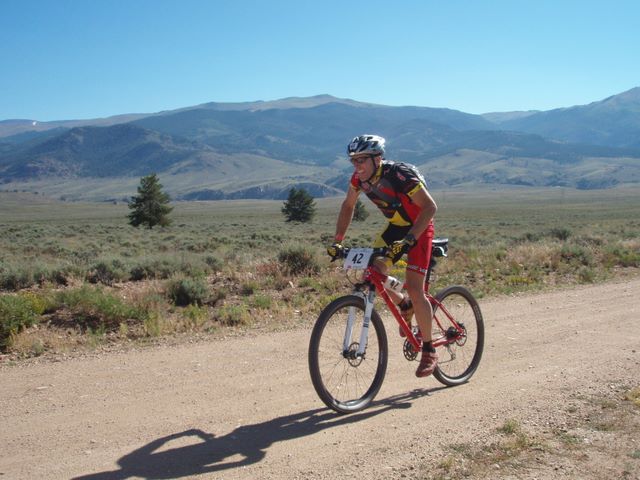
358 258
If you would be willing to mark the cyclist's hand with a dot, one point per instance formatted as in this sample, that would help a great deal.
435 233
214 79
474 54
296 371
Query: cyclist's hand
335 251
397 249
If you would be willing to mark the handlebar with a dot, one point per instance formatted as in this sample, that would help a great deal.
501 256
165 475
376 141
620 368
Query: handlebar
439 248
344 252
377 252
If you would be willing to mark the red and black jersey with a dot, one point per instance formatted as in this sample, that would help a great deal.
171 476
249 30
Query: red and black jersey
391 189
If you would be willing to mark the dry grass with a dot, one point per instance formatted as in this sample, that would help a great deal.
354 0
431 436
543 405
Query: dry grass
499 243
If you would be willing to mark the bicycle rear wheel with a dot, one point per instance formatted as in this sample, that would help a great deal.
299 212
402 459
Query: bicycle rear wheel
459 358
344 381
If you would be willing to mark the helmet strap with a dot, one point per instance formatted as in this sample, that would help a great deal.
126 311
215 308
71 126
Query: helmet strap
375 169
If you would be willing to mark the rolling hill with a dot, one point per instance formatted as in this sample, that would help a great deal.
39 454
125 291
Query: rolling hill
260 149
614 121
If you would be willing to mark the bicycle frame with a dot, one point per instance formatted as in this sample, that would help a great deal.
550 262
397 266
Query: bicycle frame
373 277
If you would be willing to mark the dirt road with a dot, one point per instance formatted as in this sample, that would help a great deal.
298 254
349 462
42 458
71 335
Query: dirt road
245 407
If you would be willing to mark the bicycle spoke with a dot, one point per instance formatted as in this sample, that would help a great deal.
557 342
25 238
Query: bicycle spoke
458 324
343 379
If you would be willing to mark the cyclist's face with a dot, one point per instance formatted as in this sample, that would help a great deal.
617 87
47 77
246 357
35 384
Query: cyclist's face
364 166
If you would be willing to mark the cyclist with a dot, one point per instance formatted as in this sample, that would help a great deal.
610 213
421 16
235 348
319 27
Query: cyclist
400 192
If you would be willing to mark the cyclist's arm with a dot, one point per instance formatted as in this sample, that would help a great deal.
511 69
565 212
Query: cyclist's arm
423 199
346 213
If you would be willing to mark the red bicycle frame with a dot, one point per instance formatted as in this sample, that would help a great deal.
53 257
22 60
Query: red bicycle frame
377 279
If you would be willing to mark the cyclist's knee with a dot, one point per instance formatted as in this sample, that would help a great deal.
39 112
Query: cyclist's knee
415 288
381 265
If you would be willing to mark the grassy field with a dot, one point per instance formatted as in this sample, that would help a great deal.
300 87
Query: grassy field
80 269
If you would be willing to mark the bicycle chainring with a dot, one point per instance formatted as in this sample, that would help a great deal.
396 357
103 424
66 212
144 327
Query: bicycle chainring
410 353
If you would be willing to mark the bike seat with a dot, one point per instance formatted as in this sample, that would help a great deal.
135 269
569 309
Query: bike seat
439 247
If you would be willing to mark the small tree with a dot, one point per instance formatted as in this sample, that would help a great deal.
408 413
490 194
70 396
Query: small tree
299 207
150 207
360 214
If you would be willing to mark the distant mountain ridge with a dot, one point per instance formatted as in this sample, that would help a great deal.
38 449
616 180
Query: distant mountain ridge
614 121
119 150
260 149
16 127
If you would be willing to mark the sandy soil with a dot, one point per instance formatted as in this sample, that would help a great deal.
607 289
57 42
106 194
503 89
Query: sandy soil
245 407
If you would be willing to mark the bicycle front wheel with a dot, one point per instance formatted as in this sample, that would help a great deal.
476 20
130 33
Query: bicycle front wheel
459 356
345 380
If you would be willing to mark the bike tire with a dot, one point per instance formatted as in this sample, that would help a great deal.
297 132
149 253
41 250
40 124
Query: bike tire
459 359
346 384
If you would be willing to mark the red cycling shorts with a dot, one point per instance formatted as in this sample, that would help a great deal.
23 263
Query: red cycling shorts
420 255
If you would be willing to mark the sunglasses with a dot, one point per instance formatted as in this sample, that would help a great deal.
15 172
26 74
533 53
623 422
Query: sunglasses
359 160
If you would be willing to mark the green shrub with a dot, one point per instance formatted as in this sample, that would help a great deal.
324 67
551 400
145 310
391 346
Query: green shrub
560 233
60 275
192 269
529 237
162 268
587 275
139 272
233 315
261 301
217 295
575 254
154 306
272 275
96 310
108 272
14 279
312 283
195 316
249 287
153 324
214 263
622 256
589 241
154 269
299 260
16 313
187 291
510 427
41 302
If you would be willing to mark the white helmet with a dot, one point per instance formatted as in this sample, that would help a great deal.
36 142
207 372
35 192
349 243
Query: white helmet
366 145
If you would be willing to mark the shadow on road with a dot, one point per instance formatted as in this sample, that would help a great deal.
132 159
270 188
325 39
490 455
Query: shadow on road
248 442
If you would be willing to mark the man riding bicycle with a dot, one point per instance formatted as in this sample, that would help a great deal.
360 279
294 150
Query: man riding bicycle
400 192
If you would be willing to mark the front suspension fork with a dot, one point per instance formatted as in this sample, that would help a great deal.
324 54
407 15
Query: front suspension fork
369 300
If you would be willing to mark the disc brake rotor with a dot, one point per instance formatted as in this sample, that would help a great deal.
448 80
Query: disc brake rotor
352 355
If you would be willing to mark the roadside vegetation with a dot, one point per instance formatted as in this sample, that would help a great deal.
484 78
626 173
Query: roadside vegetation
73 275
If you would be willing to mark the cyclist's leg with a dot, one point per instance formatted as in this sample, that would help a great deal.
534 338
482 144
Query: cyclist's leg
419 257
418 262
390 234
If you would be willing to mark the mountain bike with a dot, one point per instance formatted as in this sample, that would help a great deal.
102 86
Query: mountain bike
348 358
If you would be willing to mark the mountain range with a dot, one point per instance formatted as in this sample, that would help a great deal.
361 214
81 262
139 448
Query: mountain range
261 149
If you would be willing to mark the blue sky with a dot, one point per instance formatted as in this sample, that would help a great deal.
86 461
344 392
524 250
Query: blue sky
67 59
